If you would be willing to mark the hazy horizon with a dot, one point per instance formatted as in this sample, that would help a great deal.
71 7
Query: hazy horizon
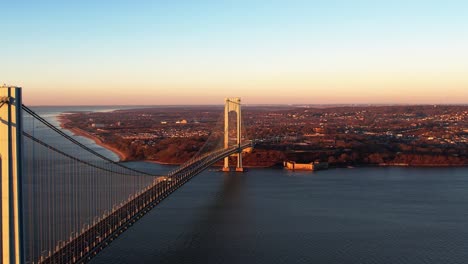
249 105
267 52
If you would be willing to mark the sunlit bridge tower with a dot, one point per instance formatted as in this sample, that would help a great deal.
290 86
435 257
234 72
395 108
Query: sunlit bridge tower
233 105
11 171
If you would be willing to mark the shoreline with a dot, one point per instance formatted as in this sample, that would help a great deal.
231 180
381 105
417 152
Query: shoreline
178 164
123 157
63 120
80 132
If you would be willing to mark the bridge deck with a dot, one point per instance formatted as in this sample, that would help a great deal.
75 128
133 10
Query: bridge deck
81 248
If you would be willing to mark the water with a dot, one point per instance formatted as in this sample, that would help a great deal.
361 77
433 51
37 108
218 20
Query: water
61 195
362 215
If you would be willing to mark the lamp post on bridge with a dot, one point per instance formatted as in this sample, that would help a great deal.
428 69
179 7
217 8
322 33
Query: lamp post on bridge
11 143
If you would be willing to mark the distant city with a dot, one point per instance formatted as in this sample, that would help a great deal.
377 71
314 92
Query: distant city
397 135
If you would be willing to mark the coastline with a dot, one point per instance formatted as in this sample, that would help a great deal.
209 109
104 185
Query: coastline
63 120
177 164
162 162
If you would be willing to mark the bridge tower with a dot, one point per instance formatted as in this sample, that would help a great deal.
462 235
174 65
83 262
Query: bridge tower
233 105
11 173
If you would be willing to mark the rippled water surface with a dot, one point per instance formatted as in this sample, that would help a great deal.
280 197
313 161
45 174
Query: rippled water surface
361 215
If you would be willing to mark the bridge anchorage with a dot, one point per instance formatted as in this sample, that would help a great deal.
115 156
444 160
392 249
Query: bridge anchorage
63 202
233 105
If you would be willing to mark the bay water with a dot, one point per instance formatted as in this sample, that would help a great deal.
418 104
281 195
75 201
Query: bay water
271 215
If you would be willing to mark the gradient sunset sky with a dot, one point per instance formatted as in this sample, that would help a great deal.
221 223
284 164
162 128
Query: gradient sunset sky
267 52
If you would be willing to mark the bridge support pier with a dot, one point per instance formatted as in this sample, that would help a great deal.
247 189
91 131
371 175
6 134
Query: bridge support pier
239 169
233 105
11 173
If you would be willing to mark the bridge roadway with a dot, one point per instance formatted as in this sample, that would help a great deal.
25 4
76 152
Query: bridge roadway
82 247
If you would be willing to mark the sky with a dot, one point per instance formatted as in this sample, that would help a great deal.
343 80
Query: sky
267 52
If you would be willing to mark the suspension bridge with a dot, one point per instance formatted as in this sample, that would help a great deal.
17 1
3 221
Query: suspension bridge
63 201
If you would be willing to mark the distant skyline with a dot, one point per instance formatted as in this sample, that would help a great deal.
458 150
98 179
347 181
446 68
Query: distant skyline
267 52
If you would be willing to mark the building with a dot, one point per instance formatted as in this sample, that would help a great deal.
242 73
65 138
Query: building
292 165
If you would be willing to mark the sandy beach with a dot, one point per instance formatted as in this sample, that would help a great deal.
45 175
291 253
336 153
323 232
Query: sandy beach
63 120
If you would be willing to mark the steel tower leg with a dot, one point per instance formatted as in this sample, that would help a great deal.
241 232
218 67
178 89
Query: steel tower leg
239 136
11 174
226 133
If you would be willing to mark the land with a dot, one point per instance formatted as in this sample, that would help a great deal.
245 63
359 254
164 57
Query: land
420 135
94 137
